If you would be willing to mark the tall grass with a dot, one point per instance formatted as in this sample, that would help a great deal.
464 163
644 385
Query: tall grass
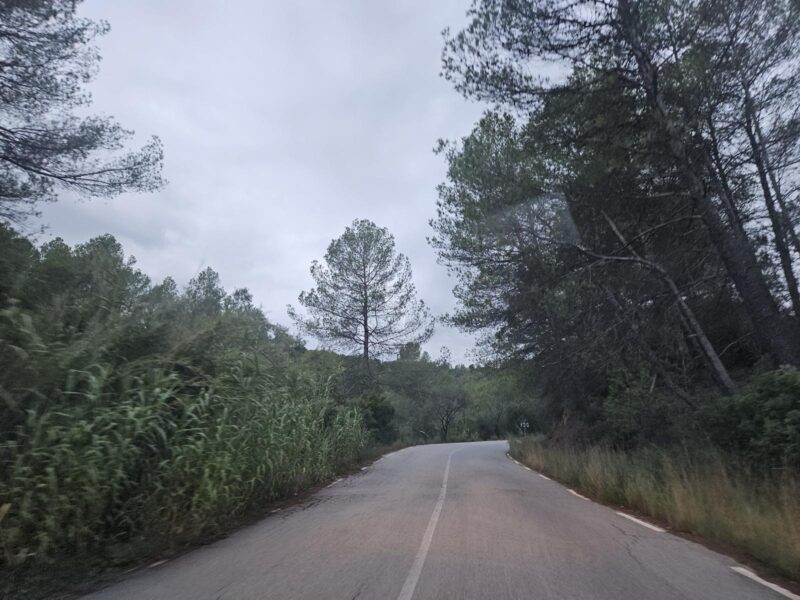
157 463
135 417
701 492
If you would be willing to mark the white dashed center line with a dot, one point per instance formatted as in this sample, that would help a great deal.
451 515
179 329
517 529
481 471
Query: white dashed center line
419 561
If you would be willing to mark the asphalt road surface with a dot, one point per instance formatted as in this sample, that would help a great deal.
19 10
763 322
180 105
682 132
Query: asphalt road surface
446 521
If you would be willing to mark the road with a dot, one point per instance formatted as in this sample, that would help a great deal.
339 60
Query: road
458 521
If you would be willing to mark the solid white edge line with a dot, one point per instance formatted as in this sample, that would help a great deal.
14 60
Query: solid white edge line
775 588
407 592
640 522
527 468
574 493
516 461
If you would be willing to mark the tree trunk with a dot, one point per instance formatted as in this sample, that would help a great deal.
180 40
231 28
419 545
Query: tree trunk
779 336
722 178
365 324
717 368
787 222
651 354
775 217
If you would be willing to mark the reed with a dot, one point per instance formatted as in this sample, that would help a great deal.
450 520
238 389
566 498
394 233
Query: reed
161 464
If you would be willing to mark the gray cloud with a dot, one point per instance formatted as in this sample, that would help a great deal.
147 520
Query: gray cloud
282 122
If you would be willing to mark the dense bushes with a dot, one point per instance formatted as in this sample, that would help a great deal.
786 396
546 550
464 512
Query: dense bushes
135 415
762 423
759 425
378 414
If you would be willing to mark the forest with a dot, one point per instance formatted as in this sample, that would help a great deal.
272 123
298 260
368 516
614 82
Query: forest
624 241
628 233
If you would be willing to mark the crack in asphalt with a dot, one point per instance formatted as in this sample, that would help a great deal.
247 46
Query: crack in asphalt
630 540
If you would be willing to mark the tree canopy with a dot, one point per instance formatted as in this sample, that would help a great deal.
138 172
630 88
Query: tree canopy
364 299
703 100
627 231
47 143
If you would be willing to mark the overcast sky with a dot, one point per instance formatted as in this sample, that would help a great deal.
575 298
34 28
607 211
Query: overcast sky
282 122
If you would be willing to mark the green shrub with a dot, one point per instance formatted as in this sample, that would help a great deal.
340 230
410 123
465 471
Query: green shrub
378 417
762 423
634 413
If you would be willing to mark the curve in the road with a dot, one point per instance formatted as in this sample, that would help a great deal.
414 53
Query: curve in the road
443 521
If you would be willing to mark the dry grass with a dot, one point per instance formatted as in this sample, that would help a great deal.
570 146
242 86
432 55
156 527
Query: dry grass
701 492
